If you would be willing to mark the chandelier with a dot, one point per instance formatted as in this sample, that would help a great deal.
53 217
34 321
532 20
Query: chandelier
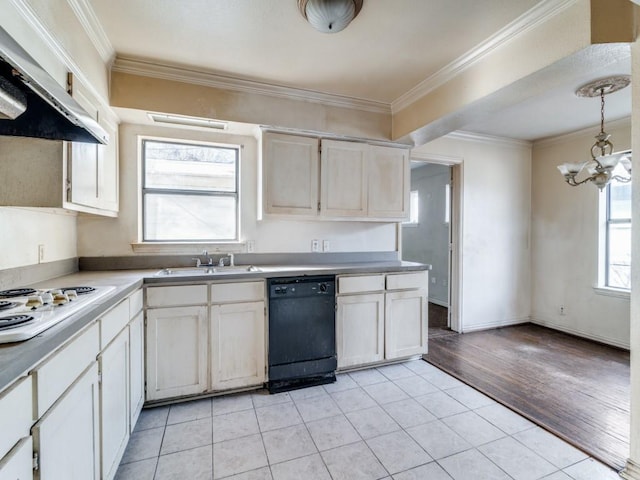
603 161
329 16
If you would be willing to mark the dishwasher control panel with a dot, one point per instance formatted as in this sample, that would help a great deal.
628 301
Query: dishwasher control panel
301 287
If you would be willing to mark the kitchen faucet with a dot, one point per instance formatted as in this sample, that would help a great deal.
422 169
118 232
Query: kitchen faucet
221 261
207 258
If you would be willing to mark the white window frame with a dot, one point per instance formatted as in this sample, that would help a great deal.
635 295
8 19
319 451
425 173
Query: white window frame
603 286
156 245
414 209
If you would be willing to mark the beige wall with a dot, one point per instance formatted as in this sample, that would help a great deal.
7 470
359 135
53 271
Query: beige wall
176 97
565 230
113 236
496 209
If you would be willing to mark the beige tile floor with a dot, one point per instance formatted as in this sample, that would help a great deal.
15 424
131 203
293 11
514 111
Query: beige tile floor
407 421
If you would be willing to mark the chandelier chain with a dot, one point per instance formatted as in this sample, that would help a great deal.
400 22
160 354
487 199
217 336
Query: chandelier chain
602 110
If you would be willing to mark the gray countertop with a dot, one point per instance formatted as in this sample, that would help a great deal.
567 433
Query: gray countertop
17 359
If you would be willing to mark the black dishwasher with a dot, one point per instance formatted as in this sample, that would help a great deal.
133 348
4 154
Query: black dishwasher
302 332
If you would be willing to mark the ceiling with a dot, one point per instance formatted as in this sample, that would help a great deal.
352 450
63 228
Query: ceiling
390 48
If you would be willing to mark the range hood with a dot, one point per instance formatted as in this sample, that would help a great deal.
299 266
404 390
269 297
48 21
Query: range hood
33 104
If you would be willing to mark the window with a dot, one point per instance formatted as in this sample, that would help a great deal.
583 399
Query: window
414 209
189 192
617 268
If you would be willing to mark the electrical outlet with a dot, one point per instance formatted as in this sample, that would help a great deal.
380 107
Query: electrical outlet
40 253
251 246
326 245
315 245
562 310
433 280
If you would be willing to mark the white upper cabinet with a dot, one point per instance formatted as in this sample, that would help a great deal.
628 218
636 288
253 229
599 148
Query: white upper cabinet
290 174
343 187
389 182
91 169
334 179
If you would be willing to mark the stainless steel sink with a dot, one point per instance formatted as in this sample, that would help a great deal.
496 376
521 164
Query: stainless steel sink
205 270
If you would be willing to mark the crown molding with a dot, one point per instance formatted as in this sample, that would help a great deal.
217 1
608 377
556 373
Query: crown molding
92 26
435 158
591 131
489 139
530 19
177 73
57 49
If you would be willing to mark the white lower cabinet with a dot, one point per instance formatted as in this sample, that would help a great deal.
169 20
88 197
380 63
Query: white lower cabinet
176 351
381 317
66 438
18 463
136 369
218 345
114 403
360 329
237 345
405 323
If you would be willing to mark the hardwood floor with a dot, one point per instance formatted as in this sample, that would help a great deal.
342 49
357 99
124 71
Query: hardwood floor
575 388
438 321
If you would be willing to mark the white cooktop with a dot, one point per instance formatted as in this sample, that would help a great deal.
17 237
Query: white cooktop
45 316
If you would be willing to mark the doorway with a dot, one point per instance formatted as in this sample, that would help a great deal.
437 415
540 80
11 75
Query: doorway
426 237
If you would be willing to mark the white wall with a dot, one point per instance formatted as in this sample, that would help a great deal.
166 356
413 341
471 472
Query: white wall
496 210
565 244
24 229
107 236
428 241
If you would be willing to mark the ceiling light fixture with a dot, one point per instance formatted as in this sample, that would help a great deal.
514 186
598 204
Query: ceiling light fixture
329 16
602 166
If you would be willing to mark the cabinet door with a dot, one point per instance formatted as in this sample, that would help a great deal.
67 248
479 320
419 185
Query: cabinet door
18 463
67 437
237 345
360 329
343 187
290 174
176 352
136 368
16 413
83 174
108 170
114 403
92 169
388 183
406 323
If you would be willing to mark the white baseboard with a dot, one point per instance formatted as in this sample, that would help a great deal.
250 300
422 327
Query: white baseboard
631 471
489 325
439 302
579 333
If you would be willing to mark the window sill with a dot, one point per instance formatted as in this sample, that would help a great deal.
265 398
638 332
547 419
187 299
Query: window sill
612 292
188 248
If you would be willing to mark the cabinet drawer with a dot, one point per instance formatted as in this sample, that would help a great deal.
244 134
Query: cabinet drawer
16 414
56 374
135 303
112 322
176 296
401 281
361 283
237 292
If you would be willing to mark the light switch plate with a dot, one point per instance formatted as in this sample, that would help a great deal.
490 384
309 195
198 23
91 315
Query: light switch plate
326 245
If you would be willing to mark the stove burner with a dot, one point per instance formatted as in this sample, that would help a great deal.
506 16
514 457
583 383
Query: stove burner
79 290
17 292
13 321
7 305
